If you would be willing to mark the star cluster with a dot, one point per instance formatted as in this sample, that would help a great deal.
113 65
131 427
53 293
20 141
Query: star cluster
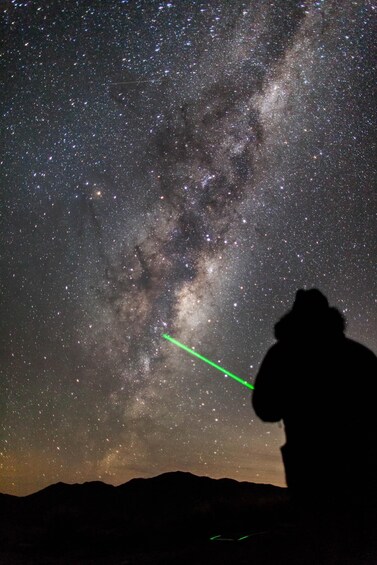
179 167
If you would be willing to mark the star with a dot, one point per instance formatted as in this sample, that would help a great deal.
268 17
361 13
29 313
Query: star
171 167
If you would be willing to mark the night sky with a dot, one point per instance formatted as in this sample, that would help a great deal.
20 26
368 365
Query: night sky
179 167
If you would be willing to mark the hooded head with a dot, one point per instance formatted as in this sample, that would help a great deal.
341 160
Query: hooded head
311 316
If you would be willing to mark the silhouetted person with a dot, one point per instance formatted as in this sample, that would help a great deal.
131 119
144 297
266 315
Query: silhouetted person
323 386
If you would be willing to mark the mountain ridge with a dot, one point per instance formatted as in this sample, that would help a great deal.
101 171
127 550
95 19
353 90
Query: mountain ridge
133 481
175 517
172 510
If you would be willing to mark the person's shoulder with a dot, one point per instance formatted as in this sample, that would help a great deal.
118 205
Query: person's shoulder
275 349
277 353
357 348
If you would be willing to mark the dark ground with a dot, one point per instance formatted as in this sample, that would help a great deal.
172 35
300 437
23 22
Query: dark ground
171 519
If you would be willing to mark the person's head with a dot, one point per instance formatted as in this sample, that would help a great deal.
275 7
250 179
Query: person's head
310 316
310 301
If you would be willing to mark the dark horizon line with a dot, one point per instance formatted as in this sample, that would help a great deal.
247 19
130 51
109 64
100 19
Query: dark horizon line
177 472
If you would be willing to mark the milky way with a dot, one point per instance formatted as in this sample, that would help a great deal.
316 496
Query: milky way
179 167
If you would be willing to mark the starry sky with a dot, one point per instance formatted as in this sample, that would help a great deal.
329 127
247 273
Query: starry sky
184 167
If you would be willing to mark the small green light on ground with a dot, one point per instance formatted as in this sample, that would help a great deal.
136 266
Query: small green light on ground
195 354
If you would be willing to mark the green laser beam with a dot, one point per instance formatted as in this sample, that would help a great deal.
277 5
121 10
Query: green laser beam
195 354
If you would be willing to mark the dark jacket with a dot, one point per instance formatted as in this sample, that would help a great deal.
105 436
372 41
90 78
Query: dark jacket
322 385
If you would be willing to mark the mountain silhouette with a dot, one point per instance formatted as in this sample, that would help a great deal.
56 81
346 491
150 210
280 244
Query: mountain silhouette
172 518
